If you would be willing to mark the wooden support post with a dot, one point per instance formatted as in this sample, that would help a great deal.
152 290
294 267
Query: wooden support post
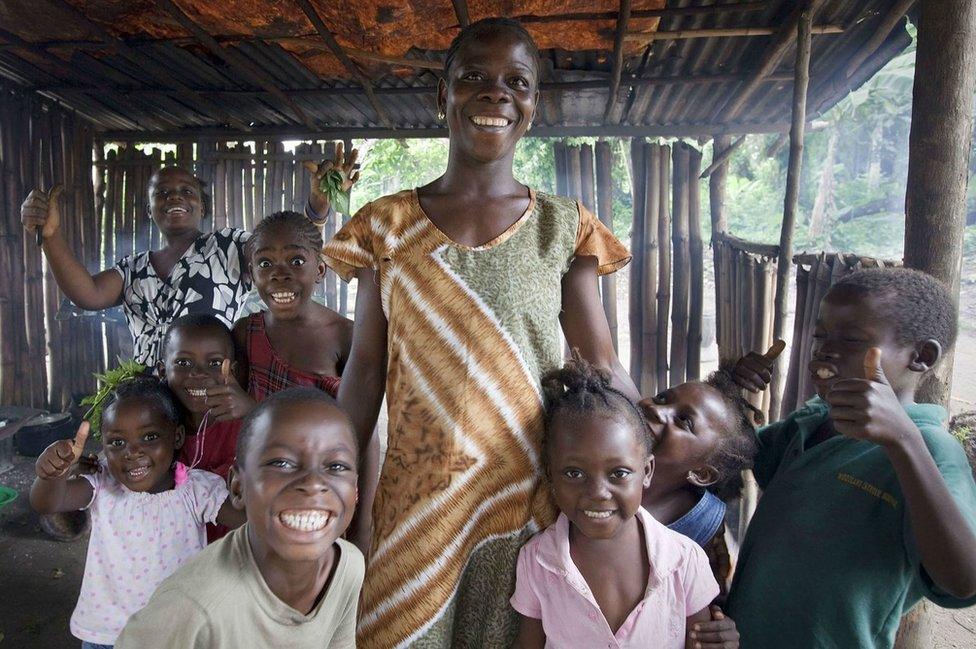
637 238
785 259
652 211
604 204
938 154
696 260
716 202
682 266
664 265
559 163
587 193
573 186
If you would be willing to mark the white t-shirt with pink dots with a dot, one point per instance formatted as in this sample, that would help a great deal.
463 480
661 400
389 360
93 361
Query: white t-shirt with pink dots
137 540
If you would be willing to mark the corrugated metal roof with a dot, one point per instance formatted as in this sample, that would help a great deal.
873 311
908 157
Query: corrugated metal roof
681 86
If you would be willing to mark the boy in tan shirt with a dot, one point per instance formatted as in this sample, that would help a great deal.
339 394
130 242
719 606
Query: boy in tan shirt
285 578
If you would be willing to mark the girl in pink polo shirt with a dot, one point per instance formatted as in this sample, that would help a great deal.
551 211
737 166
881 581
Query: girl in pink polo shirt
607 574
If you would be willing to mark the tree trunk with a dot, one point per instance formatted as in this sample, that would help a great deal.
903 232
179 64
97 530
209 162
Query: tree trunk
824 202
938 154
935 201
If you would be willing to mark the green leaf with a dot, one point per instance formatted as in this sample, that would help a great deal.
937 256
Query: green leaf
331 186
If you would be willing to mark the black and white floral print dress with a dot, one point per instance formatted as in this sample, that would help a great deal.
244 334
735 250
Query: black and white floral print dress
208 278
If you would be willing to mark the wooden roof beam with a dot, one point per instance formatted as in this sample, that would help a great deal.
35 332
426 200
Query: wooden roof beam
230 58
340 54
623 17
461 11
895 15
726 32
646 13
152 67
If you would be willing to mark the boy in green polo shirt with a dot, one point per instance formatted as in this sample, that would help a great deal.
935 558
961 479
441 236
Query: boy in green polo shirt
868 503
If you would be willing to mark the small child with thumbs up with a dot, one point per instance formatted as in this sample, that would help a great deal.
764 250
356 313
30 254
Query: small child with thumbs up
148 510
198 365
868 503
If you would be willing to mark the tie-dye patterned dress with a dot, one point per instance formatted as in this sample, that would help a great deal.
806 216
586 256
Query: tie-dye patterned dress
470 331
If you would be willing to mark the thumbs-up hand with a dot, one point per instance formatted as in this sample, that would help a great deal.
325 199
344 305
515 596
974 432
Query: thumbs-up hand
40 211
868 408
58 458
226 400
754 371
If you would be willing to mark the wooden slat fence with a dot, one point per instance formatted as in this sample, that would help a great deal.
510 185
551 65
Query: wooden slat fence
40 146
815 273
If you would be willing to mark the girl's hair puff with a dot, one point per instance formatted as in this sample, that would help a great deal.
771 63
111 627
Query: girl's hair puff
489 26
738 446
306 233
149 388
578 387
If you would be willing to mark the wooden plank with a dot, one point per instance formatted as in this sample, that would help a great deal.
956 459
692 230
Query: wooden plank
722 32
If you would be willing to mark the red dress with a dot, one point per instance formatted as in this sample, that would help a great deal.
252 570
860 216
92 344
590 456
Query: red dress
269 373
219 448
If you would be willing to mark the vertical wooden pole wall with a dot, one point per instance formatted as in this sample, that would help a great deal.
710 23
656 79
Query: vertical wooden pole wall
41 146
604 191
48 355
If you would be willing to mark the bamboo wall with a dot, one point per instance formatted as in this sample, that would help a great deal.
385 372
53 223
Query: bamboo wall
815 273
667 272
575 170
49 349
745 281
41 145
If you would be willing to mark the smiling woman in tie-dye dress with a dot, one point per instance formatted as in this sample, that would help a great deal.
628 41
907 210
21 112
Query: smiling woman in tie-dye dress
463 286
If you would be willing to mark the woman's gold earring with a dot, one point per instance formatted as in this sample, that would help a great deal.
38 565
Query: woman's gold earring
441 115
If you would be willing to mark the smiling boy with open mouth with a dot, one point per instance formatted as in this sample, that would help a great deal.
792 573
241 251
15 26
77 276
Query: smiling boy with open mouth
285 578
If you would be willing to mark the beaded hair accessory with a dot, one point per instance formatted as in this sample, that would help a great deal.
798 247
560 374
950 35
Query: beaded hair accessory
108 382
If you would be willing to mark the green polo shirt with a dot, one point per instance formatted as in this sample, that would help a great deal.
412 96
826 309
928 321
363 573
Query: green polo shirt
829 558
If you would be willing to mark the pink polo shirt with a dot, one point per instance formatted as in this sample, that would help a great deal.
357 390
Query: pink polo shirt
550 587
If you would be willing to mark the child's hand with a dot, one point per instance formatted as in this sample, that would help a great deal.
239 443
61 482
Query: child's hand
719 633
868 408
227 400
40 211
58 458
754 371
345 165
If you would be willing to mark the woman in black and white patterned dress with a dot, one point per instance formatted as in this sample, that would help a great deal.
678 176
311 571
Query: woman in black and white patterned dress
195 272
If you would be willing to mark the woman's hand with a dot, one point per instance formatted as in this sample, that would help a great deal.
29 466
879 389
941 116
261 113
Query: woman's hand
40 211
345 165
227 401
754 371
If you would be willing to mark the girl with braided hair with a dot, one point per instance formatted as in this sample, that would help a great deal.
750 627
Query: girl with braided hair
607 574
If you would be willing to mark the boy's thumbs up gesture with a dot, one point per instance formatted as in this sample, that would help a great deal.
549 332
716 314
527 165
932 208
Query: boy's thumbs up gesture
868 408
754 371
227 400
59 457
40 211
